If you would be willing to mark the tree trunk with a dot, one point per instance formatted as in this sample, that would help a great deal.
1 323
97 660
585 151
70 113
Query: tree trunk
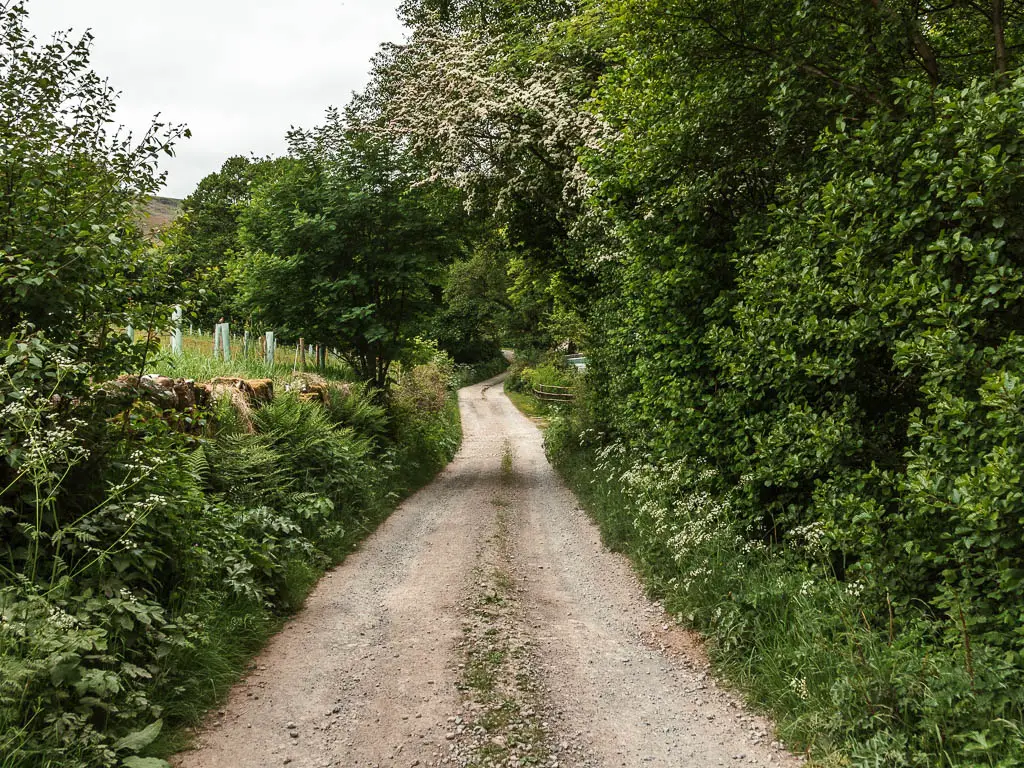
999 34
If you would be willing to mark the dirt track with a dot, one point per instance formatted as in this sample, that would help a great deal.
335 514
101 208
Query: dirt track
483 624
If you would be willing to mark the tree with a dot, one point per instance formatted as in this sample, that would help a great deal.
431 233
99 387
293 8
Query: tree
68 238
474 316
204 239
346 248
489 95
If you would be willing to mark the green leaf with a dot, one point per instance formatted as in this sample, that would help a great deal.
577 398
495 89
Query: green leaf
144 762
140 739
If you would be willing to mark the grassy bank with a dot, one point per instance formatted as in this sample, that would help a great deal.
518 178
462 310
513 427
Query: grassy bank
845 689
146 555
532 370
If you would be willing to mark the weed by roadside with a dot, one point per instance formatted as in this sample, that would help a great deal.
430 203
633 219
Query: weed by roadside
503 725
847 688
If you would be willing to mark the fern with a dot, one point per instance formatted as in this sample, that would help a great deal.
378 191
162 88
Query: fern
198 466
248 467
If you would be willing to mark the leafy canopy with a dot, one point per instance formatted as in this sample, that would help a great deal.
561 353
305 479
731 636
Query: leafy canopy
72 258
346 248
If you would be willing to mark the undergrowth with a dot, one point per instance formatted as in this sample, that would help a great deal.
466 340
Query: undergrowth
473 373
141 564
202 366
845 688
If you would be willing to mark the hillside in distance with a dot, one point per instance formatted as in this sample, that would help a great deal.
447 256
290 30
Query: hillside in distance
158 213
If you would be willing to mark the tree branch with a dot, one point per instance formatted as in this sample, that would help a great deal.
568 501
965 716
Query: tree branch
921 47
806 67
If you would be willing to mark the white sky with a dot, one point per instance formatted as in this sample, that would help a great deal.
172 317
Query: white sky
239 73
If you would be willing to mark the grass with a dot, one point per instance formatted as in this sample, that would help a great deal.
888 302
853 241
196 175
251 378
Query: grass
507 459
197 362
531 407
234 634
799 645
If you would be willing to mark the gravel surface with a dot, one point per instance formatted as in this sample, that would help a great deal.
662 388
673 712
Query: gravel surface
483 625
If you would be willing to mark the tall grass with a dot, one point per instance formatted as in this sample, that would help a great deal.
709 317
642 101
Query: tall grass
198 362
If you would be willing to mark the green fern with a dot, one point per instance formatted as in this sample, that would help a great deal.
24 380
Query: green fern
248 467
198 466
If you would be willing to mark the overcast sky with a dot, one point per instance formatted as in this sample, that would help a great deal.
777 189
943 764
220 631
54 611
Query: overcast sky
239 73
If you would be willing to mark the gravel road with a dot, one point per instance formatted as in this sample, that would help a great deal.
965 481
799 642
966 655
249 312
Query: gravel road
483 625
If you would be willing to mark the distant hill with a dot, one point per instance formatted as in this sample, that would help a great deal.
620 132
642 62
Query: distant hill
159 212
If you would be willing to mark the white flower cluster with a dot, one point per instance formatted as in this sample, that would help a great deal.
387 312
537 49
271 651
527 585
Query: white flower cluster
137 467
65 363
753 547
798 685
812 538
53 444
463 98
61 619
691 522
15 410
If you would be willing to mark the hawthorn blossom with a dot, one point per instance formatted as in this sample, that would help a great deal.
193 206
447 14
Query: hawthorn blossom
462 101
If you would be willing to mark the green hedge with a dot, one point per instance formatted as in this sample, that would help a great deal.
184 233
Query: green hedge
850 362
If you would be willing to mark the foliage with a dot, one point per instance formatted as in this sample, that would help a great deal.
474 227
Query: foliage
139 565
807 278
474 316
787 234
345 249
206 236
70 266
851 689
426 421
489 96
486 369
531 371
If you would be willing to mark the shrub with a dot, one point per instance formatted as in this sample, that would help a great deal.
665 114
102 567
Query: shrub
779 622
140 565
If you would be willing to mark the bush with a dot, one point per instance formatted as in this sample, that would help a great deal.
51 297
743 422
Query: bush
532 371
140 565
847 362
779 622
426 427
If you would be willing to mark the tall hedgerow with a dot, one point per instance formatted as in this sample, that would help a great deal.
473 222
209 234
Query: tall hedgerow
835 331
